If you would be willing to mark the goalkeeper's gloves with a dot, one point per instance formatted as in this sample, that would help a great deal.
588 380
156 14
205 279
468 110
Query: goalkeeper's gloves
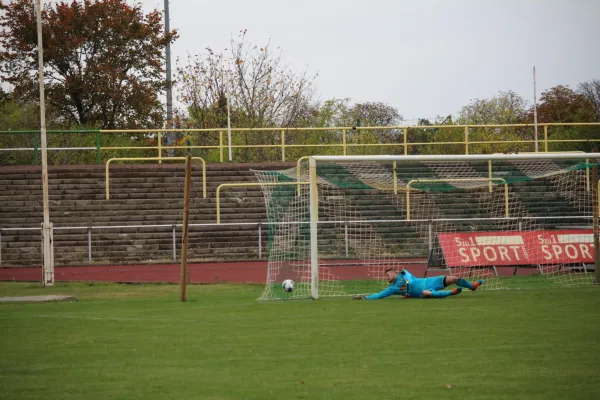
359 297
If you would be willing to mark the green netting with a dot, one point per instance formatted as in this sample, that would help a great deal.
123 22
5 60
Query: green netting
509 172
363 217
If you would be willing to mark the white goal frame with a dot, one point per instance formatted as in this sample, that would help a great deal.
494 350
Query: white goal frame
314 207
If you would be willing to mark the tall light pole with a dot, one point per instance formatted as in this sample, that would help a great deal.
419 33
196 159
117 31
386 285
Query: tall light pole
169 82
47 242
229 127
226 84
535 124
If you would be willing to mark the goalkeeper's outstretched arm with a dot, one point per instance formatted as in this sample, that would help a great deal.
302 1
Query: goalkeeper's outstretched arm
384 293
398 285
390 290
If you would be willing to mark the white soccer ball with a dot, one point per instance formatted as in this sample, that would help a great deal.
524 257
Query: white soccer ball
288 285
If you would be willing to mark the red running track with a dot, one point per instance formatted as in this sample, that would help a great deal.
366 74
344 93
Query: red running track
235 272
248 272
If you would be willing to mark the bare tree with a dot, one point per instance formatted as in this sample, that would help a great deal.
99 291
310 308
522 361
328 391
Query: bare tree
262 90
268 92
203 88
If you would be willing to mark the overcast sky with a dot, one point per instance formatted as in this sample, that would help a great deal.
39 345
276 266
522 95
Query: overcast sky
425 57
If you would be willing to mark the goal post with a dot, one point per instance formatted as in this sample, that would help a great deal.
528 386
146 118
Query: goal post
478 216
314 218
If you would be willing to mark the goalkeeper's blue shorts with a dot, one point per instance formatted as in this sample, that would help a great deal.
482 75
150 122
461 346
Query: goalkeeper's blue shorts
417 285
434 283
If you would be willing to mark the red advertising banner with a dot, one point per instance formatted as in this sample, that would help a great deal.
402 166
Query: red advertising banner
561 246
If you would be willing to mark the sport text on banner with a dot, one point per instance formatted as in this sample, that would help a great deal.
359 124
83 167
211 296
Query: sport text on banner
536 247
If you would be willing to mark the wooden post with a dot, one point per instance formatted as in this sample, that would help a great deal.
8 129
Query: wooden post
595 219
184 228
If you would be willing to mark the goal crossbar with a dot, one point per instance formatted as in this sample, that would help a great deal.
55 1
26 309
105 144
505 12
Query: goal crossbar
456 157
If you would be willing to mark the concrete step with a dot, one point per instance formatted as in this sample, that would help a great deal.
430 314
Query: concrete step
152 194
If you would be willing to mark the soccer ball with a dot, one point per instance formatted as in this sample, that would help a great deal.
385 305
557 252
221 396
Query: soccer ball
288 285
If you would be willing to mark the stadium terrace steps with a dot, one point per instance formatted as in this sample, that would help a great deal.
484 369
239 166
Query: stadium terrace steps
152 194
141 194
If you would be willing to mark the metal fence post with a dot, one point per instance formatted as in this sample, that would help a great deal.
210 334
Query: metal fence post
36 156
174 245
259 240
89 244
283 145
346 237
221 146
430 234
159 142
97 147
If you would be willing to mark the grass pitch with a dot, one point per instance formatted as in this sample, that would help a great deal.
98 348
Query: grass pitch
140 342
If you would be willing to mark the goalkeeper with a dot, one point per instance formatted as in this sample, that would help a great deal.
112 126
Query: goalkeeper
407 285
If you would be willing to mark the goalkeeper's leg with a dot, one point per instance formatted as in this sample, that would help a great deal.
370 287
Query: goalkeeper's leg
441 293
449 280
469 285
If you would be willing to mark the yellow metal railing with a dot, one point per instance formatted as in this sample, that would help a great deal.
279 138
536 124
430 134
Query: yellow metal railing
155 159
345 142
218 193
283 143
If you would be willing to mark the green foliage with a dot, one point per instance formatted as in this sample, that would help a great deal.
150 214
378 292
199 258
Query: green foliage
435 140
585 138
333 112
356 118
15 117
503 109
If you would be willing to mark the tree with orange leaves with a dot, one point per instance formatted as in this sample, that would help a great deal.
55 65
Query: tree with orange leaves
103 60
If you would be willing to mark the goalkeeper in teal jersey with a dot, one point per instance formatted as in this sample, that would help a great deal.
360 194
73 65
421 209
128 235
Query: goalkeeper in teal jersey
407 285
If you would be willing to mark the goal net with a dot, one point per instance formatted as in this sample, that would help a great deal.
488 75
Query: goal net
476 217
